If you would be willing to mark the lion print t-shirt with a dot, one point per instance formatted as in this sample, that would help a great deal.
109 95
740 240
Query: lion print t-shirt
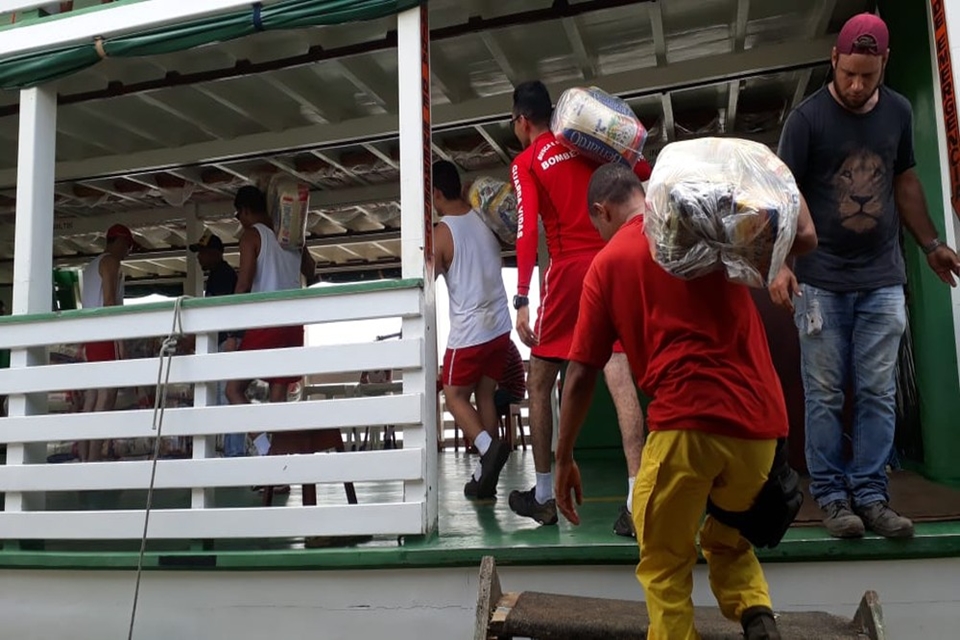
844 164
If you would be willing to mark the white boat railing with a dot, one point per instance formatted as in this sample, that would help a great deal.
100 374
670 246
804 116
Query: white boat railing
27 477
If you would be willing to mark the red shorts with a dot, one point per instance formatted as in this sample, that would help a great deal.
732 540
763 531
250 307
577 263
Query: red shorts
273 338
463 367
559 308
105 351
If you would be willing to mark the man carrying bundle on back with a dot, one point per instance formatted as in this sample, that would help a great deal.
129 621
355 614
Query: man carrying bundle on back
550 181
699 349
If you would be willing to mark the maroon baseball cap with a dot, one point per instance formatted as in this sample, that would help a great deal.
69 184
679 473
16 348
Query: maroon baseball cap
864 33
122 231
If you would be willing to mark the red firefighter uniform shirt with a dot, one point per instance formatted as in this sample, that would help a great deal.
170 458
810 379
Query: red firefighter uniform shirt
551 180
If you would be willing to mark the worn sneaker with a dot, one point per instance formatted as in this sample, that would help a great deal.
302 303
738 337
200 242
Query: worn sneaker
471 489
881 519
841 521
759 624
491 463
624 524
524 503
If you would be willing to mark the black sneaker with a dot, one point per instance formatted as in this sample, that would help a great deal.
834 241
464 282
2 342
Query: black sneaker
759 624
491 463
881 519
524 503
841 521
624 524
472 487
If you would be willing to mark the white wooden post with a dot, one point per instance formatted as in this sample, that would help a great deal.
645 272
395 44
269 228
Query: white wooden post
193 285
416 240
204 395
33 258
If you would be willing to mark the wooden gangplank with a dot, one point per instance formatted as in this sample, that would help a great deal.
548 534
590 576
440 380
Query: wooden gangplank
547 616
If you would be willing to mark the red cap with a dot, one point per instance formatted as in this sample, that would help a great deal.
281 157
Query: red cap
122 231
864 33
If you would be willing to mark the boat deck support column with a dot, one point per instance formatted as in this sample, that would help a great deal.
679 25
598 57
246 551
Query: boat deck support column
33 257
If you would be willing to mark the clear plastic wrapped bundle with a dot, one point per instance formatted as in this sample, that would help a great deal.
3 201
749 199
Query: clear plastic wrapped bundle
598 126
721 204
497 204
288 203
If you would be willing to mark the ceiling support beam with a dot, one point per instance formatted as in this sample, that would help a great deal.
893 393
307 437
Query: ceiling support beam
493 144
584 59
740 25
154 101
340 167
733 99
367 77
669 127
503 61
659 39
375 150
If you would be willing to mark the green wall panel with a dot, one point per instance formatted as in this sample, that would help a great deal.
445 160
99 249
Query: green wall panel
912 72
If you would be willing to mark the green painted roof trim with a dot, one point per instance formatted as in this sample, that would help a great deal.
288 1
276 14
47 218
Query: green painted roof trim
933 540
35 68
197 303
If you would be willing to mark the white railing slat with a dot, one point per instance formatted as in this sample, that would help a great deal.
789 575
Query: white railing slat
402 518
320 468
186 421
77 329
342 358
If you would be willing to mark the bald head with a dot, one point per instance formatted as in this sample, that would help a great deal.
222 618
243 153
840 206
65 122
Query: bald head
615 195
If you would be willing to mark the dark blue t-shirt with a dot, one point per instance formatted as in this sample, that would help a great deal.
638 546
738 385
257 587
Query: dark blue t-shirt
845 164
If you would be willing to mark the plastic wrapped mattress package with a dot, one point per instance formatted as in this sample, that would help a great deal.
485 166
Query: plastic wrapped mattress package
497 204
721 204
598 126
288 203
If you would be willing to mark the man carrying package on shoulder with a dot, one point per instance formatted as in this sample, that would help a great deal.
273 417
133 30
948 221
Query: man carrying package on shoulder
699 349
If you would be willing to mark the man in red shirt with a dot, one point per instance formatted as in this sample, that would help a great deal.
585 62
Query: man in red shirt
551 181
699 349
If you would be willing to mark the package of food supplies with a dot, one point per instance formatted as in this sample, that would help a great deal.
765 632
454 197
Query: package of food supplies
721 204
497 204
288 202
598 126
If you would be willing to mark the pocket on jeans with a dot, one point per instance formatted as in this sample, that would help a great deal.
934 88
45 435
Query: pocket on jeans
800 309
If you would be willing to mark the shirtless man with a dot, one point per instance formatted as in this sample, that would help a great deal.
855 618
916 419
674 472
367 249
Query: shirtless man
551 181
467 254
102 282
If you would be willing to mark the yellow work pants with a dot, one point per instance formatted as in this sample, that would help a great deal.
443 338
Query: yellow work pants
679 470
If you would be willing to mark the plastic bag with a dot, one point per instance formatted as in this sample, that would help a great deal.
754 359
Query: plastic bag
598 126
288 202
497 203
721 203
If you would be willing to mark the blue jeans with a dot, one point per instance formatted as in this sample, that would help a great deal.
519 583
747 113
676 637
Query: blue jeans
234 444
848 337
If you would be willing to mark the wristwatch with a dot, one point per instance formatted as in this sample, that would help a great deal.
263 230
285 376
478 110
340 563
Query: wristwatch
932 246
520 301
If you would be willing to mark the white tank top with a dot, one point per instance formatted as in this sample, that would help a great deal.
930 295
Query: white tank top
91 291
278 269
478 299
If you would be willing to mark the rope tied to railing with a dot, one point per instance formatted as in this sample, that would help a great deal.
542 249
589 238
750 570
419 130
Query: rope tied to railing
168 349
